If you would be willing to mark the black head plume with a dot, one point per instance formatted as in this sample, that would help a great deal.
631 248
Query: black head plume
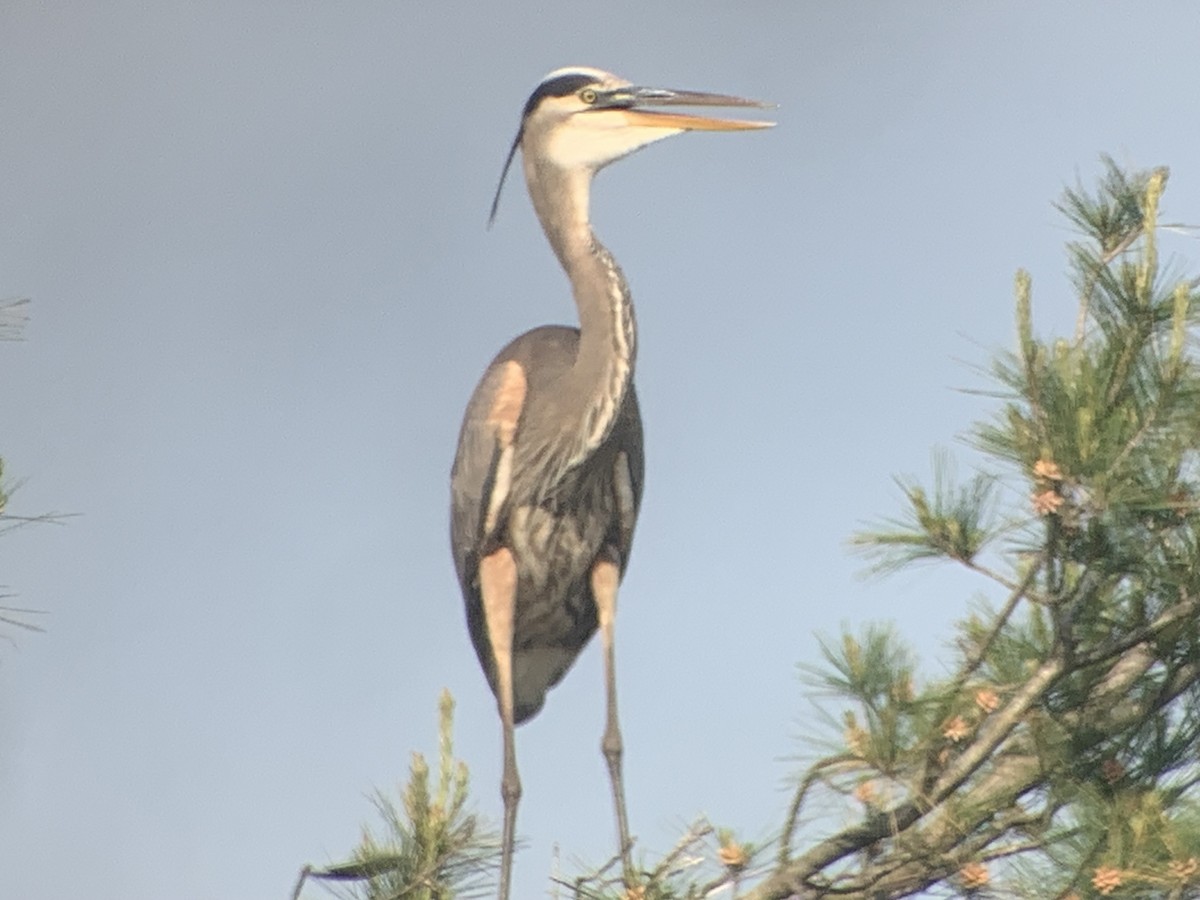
562 83
512 151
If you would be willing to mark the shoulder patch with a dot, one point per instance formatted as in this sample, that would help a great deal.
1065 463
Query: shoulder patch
507 402
504 415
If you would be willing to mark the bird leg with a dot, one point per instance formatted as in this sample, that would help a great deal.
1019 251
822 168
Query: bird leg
498 585
605 578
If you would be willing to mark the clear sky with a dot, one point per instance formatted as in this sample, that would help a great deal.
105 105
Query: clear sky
254 235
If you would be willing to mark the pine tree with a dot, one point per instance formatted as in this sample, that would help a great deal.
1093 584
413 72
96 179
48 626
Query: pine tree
1059 759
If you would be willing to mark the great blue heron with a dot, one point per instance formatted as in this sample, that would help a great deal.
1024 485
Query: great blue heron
547 479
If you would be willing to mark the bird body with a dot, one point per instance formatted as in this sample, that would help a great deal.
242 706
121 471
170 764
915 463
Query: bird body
547 478
557 528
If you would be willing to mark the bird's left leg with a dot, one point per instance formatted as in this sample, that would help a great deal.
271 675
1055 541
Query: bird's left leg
498 584
606 577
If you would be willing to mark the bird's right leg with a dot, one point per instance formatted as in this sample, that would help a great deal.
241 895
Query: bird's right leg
605 578
498 585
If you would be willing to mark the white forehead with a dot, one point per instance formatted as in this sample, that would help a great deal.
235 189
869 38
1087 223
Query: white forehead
598 75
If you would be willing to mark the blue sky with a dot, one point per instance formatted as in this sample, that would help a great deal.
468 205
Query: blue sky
254 236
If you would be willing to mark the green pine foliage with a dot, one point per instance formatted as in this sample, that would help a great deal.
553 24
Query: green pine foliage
1060 758
431 847
953 520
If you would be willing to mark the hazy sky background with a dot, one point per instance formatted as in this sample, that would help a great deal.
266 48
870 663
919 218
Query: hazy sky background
263 291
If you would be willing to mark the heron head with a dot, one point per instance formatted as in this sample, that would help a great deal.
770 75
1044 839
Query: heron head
582 119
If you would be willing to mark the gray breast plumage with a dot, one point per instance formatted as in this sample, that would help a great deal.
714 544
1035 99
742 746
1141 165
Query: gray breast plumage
555 617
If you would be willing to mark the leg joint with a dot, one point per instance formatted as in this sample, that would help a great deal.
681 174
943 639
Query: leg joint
606 577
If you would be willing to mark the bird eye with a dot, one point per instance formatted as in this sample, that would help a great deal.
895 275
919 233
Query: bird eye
588 96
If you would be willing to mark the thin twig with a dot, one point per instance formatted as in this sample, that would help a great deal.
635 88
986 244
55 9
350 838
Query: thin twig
696 832
1133 442
975 659
810 778
11 523
304 873
1022 586
1085 297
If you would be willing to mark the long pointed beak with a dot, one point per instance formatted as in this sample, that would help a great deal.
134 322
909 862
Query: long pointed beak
640 97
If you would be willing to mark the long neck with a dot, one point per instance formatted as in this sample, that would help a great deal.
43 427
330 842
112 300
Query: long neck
603 369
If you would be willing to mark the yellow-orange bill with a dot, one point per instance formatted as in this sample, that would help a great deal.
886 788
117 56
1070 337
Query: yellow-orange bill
654 119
